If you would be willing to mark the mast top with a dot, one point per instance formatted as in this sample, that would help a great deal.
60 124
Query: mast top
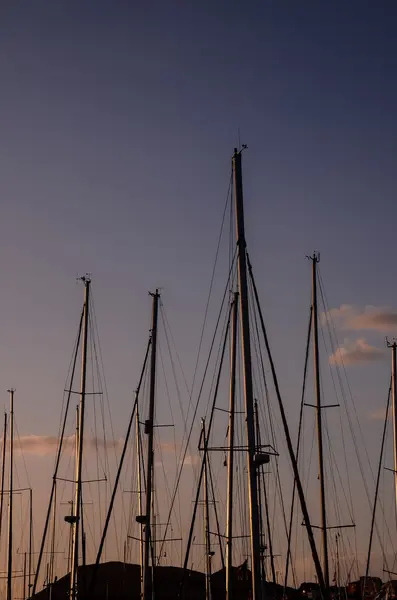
85 278
236 151
315 257
392 344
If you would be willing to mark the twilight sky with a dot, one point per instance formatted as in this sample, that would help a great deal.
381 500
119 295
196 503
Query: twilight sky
118 121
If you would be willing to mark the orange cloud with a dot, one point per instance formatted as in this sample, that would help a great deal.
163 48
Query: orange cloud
357 352
381 319
42 445
379 414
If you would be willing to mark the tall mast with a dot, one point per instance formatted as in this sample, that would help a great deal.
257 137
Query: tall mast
149 423
30 540
3 468
393 347
52 555
11 487
138 454
24 576
257 588
315 260
230 464
79 458
207 537
153 532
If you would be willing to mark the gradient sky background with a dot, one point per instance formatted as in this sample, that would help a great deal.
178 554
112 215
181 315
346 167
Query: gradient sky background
118 121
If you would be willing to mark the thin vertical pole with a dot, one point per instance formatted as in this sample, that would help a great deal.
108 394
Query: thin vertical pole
70 541
394 403
230 464
3 468
76 468
139 475
24 576
315 260
268 527
147 579
207 537
30 541
153 530
10 499
52 555
77 501
257 587
382 446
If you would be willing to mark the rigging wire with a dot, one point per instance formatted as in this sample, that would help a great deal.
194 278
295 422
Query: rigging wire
58 456
377 486
309 530
307 352
345 405
205 450
110 509
273 437
187 445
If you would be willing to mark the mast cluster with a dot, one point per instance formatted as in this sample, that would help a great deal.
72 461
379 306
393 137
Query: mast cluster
239 327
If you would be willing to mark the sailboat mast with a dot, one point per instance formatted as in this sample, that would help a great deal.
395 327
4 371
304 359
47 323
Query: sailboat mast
230 464
257 588
394 402
149 423
139 475
24 576
3 466
52 555
77 501
11 489
207 537
30 540
315 260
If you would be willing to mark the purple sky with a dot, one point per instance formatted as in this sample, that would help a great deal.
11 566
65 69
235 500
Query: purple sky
117 124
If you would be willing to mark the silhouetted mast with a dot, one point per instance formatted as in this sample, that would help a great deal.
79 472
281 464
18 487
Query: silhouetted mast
315 260
207 535
230 464
52 554
139 476
24 575
149 423
30 540
393 347
257 588
77 501
3 468
10 498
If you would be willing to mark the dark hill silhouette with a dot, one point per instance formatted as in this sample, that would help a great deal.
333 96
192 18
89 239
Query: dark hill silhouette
119 581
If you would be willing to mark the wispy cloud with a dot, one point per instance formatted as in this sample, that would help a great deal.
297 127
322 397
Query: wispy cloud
377 318
356 352
379 414
43 445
